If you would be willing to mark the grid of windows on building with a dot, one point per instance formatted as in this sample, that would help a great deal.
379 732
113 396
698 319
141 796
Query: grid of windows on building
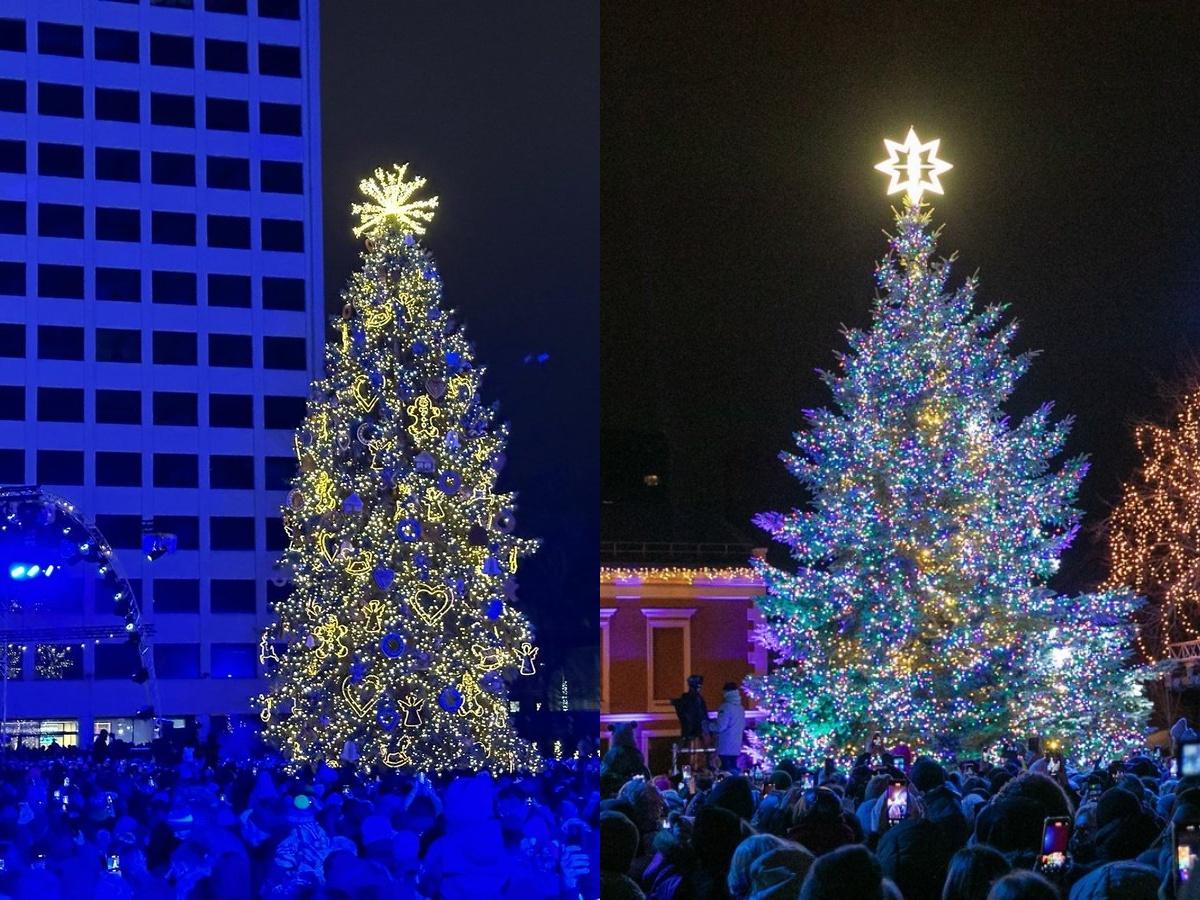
129 178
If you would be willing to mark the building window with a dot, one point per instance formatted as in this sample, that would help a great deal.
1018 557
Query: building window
234 660
116 45
181 470
236 472
12 466
58 662
176 595
668 654
116 661
279 118
173 661
12 216
230 172
12 343
173 168
60 404
171 4
171 50
277 539
115 407
64 282
118 469
230 351
230 411
12 279
60 467
119 284
282 177
186 528
221 114
279 9
229 231
229 290
231 533
284 413
60 100
173 228
175 348
57 39
12 35
12 403
277 59
60 342
278 472
60 220
235 7
12 95
284 353
117 105
118 345
61 160
175 288
283 234
114 164
172 109
12 156
225 56
232 595
174 408
118 224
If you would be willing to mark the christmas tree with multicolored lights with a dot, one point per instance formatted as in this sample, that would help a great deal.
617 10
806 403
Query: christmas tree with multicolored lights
918 603
401 629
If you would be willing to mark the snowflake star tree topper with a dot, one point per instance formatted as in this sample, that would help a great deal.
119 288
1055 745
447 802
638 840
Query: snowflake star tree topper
392 204
914 166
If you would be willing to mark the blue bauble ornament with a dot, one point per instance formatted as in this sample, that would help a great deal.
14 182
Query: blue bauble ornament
429 273
449 482
450 699
418 348
409 530
376 378
352 504
392 645
409 240
453 360
495 609
384 578
491 566
357 671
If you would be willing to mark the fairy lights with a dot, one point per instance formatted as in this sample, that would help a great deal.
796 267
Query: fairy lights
1155 529
918 603
402 552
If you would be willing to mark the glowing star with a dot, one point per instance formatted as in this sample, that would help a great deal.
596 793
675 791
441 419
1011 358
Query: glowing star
392 203
914 167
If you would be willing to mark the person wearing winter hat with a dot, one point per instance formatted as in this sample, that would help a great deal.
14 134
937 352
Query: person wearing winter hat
915 854
618 843
734 794
1125 879
1023 885
850 871
779 874
730 727
750 849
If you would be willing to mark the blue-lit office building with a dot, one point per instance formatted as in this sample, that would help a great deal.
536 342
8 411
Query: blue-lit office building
160 317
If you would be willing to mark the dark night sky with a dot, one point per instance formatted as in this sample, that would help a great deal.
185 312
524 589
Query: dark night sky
741 218
496 104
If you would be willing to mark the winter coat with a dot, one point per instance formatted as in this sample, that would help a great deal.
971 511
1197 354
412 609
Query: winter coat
731 723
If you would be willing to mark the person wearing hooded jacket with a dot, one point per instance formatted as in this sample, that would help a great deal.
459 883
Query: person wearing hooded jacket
729 727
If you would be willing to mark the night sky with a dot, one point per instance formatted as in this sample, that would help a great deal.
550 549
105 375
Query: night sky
496 104
741 221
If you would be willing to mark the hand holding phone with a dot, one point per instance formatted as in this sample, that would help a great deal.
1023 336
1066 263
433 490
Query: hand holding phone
1186 839
897 801
1056 838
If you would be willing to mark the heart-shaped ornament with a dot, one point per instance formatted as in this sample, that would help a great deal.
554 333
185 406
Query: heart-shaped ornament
363 696
431 603
384 578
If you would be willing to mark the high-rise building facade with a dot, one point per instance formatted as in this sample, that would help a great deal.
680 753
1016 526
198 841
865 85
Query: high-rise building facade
160 317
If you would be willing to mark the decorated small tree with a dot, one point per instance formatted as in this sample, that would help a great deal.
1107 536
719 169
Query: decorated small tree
401 626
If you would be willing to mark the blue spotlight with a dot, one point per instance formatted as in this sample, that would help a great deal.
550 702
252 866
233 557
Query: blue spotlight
17 572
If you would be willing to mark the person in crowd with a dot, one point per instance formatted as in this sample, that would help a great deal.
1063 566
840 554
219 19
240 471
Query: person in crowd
973 871
729 727
849 871
821 825
622 761
619 841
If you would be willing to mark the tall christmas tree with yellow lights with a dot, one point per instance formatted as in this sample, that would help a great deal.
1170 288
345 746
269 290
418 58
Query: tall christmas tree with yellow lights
918 605
401 628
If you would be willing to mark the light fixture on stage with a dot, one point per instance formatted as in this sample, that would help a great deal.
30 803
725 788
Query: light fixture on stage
157 544
26 571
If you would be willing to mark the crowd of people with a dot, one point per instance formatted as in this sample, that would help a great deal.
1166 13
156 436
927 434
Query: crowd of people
1025 826
199 821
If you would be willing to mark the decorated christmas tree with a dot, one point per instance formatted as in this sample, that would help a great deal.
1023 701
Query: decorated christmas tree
918 603
400 629
1154 532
